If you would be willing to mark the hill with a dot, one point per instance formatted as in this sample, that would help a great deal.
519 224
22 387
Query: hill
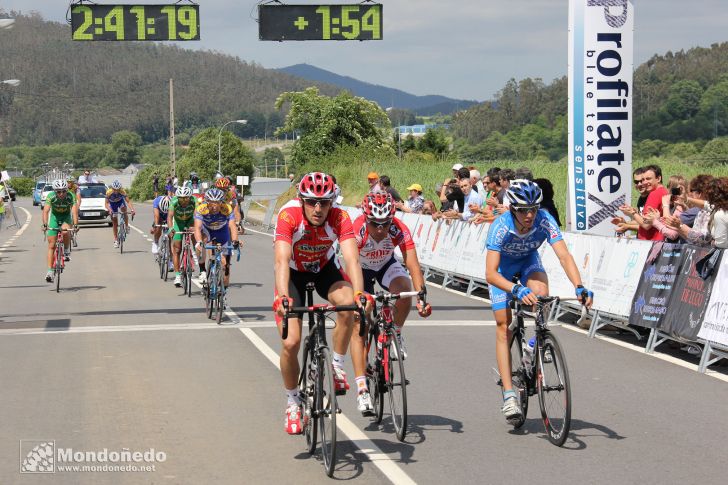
85 91
384 96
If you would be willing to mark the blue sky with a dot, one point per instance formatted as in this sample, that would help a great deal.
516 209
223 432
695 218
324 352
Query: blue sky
463 49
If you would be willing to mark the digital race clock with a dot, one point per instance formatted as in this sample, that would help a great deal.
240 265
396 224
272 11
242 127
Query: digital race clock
135 22
320 22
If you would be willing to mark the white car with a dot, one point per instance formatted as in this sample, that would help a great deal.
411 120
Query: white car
47 189
93 204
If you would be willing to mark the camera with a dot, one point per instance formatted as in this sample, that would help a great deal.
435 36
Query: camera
675 191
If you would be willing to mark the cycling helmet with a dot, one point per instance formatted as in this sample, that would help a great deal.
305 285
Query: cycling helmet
60 184
116 185
222 183
183 192
214 195
317 185
164 204
524 193
378 206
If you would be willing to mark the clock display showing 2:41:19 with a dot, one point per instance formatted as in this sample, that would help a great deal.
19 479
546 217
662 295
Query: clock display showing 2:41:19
135 22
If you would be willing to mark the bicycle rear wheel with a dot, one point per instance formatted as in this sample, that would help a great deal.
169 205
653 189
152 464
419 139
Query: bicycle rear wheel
396 384
519 380
554 390
326 408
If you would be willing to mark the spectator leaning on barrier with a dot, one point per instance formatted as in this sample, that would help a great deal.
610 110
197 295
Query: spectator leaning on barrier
718 198
547 191
506 175
622 224
652 179
523 173
472 200
386 185
450 195
476 182
694 229
415 202
455 169
428 208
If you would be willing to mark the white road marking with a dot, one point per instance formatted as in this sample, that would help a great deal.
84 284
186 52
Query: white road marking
110 328
20 231
641 350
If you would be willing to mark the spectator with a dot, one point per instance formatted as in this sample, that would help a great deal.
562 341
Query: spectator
86 178
386 185
2 205
694 229
476 181
718 198
373 179
155 185
524 173
455 169
415 203
175 181
677 189
428 208
622 224
547 191
471 200
169 186
652 180
451 196
506 175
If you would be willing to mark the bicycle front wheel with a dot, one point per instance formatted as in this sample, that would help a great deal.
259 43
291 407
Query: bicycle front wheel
220 295
396 384
210 292
188 271
519 379
375 379
326 408
554 390
306 386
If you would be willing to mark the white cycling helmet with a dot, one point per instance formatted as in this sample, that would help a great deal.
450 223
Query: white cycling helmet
60 184
183 191
164 204
116 185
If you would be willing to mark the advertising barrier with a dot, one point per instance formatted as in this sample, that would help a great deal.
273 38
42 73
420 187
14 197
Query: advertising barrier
649 306
715 323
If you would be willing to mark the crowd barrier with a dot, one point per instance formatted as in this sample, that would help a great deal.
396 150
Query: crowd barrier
638 283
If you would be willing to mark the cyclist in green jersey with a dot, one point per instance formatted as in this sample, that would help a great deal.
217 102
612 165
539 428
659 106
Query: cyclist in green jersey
180 217
59 212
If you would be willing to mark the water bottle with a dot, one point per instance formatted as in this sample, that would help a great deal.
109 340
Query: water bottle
528 352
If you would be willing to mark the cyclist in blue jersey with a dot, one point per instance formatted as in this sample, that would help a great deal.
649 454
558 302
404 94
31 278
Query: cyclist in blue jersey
215 224
513 240
160 207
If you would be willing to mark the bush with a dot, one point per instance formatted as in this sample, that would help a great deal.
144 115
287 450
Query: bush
23 185
141 187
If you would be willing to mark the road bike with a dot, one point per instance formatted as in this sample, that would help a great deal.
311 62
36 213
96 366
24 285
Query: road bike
542 371
121 230
59 253
187 261
213 289
74 241
316 381
164 254
385 371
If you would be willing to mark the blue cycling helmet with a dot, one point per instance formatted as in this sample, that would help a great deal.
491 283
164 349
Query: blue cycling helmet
524 193
214 195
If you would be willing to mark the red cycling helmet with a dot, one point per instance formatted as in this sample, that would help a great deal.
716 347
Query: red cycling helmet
378 206
222 183
317 185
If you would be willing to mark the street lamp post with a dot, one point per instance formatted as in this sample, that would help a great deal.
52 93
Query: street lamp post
219 143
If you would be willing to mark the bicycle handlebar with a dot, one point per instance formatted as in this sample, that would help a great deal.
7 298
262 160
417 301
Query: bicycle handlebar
542 301
381 296
223 246
321 309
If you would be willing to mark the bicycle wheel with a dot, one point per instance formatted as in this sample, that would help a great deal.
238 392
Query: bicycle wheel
306 386
554 390
210 291
375 378
164 261
326 408
188 271
396 384
519 380
58 267
220 293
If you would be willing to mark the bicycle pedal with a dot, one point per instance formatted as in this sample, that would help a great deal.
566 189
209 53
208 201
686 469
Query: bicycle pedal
406 382
496 376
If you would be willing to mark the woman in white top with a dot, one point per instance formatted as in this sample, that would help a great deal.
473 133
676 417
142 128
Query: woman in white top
718 198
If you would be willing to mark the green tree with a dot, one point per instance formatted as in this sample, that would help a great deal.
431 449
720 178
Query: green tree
201 157
125 149
325 122
714 106
716 150
684 99
408 143
434 141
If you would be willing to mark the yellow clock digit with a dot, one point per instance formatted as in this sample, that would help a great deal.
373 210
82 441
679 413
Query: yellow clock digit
325 12
170 12
188 17
349 22
138 10
371 21
88 19
114 22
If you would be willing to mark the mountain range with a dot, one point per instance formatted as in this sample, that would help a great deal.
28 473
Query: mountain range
382 95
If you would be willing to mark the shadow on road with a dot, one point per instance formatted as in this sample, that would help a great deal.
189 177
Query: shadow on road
418 425
240 285
58 324
23 286
574 442
85 249
81 288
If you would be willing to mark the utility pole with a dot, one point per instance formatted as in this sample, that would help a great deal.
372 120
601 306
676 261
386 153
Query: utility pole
171 128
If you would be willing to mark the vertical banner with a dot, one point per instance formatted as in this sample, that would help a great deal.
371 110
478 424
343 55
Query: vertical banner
600 112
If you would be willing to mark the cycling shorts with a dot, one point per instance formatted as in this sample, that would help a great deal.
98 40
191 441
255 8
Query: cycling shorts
330 273
384 276
221 236
56 221
116 205
180 226
508 268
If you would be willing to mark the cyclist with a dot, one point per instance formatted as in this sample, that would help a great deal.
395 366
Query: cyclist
214 223
512 244
231 198
59 212
306 230
377 234
117 200
160 207
180 217
75 189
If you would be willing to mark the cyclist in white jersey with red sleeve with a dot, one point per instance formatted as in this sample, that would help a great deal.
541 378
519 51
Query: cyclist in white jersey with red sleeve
306 230
377 234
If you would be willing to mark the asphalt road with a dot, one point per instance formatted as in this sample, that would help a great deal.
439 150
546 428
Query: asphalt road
120 360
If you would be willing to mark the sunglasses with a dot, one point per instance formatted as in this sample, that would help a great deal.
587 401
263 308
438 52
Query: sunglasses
60 192
526 210
380 224
314 202
637 182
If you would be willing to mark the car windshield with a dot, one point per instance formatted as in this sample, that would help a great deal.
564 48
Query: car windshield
48 188
40 185
93 192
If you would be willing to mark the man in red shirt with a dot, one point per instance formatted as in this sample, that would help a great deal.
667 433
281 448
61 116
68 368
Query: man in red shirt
306 230
652 183
378 233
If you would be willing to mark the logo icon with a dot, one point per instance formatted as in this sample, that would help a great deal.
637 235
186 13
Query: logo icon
37 456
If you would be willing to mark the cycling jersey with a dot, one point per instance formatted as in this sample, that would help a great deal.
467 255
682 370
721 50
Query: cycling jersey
115 197
312 246
162 214
374 255
183 216
213 221
504 238
61 206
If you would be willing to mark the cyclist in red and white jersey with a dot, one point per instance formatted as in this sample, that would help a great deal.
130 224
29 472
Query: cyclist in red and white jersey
306 230
378 233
